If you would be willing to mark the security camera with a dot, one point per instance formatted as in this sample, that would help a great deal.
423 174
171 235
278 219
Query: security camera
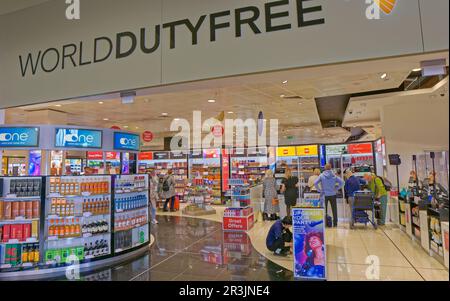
350 112
442 94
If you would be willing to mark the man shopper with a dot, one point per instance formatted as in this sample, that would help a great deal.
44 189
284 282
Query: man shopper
352 185
328 184
279 238
376 185
168 191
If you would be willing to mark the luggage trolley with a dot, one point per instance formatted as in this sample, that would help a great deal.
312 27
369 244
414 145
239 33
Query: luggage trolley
364 201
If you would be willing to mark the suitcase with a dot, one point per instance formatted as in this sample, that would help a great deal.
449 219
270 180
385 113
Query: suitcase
176 205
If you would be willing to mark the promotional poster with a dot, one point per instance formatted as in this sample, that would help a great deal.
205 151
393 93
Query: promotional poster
309 243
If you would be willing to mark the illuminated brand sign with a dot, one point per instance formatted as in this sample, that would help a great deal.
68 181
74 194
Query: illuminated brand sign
78 138
19 137
126 141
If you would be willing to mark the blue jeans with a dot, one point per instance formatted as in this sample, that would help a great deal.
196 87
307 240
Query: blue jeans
172 203
153 211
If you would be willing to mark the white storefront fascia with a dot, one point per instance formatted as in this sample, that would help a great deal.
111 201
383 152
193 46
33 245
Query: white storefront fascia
45 57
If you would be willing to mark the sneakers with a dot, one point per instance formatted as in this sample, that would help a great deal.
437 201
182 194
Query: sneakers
280 252
154 222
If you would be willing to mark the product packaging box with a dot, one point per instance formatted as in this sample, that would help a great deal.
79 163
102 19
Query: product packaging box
49 255
35 229
13 256
57 255
29 210
7 211
2 209
65 254
17 232
35 209
26 231
2 259
6 232
1 233
80 253
22 208
15 210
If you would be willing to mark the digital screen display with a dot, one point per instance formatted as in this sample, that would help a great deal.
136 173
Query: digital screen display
19 137
78 138
126 141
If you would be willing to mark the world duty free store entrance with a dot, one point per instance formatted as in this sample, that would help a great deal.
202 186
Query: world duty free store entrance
89 121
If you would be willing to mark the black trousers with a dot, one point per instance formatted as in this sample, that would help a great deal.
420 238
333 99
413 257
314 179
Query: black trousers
333 200
279 243
172 203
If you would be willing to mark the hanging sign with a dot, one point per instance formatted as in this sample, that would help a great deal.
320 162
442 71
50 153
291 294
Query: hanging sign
147 136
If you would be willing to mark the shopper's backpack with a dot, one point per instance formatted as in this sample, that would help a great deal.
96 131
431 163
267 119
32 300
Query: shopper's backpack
165 186
386 183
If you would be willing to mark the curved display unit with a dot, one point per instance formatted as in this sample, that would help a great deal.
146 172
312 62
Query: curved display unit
49 224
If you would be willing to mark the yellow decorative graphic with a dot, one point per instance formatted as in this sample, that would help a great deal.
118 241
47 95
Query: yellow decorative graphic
387 6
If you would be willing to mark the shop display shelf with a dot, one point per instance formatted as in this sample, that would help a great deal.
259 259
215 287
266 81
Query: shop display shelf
57 238
29 240
70 196
130 210
19 220
17 198
140 190
22 266
120 250
130 228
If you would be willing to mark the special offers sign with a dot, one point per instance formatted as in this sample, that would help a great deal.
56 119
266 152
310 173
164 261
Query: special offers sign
119 45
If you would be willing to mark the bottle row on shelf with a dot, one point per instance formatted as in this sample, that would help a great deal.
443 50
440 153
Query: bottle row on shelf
11 210
129 220
64 228
131 202
25 187
79 185
19 232
130 183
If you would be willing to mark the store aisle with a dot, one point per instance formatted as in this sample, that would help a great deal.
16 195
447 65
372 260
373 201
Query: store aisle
195 249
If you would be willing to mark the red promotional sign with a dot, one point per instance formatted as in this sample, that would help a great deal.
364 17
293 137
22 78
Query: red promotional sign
147 136
363 148
111 156
238 223
95 155
145 156
115 127
211 153
218 130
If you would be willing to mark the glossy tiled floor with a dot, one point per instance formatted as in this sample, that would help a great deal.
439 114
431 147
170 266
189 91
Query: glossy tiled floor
193 249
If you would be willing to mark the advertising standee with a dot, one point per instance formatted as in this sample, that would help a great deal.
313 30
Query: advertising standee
309 243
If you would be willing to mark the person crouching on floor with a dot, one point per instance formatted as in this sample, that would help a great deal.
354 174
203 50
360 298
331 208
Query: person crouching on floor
279 238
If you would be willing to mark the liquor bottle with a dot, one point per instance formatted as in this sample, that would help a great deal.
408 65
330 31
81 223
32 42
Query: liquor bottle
77 228
51 228
36 254
25 251
66 228
72 228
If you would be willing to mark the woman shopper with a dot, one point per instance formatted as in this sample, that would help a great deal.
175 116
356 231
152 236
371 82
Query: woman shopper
154 188
289 187
271 205
312 179
168 191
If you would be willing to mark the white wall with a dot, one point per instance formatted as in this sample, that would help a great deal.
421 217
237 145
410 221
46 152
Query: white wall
412 126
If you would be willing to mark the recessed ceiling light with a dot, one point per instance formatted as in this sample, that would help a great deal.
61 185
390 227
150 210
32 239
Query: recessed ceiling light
126 126
384 76
230 112
417 69
137 128
164 114
211 100
58 106
177 119
100 102
285 82
300 103
282 96
105 119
